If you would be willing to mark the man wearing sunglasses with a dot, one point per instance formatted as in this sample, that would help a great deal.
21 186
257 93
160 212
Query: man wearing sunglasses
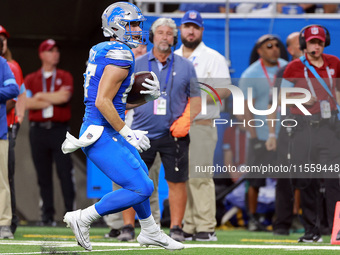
260 77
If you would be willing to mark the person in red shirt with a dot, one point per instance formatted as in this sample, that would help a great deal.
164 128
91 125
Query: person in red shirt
315 139
49 91
15 114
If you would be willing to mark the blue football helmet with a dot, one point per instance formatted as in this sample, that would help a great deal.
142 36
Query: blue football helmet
117 16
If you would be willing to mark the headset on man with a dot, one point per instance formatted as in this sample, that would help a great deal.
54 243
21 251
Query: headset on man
302 40
151 35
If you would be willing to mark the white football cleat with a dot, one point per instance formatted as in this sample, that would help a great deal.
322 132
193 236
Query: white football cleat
159 239
79 228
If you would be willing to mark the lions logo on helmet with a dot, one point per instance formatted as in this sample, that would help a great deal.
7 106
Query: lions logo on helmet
117 16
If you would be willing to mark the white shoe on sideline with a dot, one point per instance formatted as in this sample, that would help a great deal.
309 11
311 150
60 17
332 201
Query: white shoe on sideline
159 239
5 232
80 230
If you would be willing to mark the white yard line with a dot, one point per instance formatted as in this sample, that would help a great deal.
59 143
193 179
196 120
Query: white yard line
135 246
76 252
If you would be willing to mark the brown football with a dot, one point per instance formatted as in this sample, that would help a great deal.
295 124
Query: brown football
134 96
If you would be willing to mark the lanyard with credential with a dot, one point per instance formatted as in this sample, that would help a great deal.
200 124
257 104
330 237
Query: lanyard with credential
317 76
321 81
169 70
44 81
310 85
270 82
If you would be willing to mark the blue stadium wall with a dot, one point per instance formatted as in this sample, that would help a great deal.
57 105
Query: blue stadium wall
245 32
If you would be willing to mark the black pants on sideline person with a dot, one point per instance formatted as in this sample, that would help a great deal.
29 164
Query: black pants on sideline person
284 195
174 154
46 148
12 133
315 141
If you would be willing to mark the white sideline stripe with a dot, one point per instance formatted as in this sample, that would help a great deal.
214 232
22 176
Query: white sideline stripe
136 245
76 252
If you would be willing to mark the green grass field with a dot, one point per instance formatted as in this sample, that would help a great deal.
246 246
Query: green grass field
60 240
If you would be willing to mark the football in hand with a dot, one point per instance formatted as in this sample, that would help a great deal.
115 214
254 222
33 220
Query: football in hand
134 96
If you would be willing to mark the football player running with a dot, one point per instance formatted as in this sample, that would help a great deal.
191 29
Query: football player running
105 139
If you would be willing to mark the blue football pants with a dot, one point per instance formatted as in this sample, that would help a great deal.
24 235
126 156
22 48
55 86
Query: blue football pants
121 162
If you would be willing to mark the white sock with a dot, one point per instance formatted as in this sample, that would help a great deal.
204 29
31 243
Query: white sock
149 225
89 215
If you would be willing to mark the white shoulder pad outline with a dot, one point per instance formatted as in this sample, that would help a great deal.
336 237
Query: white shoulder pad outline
119 54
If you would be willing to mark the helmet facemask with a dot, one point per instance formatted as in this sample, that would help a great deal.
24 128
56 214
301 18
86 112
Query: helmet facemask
136 37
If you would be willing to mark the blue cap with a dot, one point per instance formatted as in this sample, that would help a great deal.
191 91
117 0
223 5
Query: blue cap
192 17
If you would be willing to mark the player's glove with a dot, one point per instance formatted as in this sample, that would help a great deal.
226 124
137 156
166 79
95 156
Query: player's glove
137 138
153 91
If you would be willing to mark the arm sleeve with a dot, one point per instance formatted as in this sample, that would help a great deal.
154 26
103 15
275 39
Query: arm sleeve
9 88
28 93
15 68
121 58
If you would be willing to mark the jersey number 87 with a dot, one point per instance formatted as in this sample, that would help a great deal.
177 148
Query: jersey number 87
91 71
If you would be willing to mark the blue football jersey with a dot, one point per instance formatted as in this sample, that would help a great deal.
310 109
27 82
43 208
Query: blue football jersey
101 55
